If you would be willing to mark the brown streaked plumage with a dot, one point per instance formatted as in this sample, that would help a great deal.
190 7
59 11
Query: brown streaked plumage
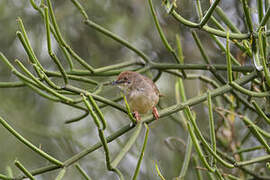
142 93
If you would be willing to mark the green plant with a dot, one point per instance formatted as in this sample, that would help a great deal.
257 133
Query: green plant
221 152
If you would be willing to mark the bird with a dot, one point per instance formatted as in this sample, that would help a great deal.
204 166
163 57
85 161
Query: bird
141 92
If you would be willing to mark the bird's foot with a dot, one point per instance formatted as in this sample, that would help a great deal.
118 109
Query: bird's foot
137 116
155 113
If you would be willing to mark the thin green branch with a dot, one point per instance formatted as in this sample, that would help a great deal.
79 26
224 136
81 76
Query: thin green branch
260 111
49 90
80 8
198 148
63 43
98 111
24 170
118 39
93 114
208 29
27 46
220 45
265 18
130 115
11 84
39 9
204 142
247 15
248 92
159 173
226 20
108 33
180 53
117 66
256 133
252 161
77 118
72 77
29 144
228 59
103 140
211 126
61 174
261 40
127 146
209 13
136 172
83 173
260 10
160 31
4 177
198 171
199 9
200 46
181 97
187 158
96 97
9 172
218 67
50 51
239 151
254 127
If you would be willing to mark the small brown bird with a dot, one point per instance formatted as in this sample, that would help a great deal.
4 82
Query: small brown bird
141 92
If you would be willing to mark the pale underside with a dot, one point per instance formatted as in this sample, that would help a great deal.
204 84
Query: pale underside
141 100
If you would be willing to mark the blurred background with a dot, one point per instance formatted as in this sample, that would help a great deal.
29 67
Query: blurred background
43 122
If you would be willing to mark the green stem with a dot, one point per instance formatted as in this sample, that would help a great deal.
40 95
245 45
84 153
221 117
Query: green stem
136 172
63 43
61 174
228 58
226 20
122 41
248 92
211 126
130 115
27 46
49 90
50 51
247 15
127 146
83 173
204 142
187 158
208 13
24 170
252 161
29 144
260 111
99 113
198 148
161 34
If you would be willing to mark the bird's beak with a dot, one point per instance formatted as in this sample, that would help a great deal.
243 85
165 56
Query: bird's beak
117 82
113 83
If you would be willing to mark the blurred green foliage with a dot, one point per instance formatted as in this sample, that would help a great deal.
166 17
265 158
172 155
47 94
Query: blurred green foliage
43 122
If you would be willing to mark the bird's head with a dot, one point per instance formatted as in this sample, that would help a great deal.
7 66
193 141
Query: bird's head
125 80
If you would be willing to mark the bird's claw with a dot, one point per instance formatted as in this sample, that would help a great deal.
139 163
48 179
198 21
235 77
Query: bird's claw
155 113
137 116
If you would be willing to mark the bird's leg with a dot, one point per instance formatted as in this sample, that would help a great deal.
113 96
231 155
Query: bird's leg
137 116
155 113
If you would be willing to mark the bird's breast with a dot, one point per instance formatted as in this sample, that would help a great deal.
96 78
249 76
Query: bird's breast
141 100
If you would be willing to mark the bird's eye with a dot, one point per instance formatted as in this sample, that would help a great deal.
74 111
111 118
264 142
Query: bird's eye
125 78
